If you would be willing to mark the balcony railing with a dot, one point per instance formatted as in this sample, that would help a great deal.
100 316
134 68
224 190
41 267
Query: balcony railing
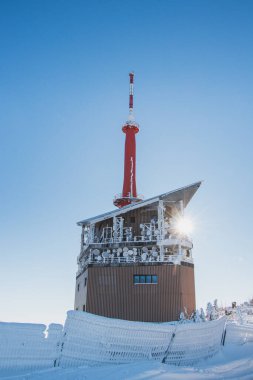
171 241
107 258
129 196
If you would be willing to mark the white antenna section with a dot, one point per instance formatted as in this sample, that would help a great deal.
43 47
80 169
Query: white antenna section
131 119
118 223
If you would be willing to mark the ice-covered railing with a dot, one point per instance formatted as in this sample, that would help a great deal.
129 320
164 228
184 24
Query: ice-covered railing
108 258
168 241
25 345
239 328
94 340
128 196
134 259
239 333
88 339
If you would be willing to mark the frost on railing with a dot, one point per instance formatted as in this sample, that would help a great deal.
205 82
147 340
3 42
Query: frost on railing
128 196
25 345
129 256
239 328
195 341
94 340
89 339
239 333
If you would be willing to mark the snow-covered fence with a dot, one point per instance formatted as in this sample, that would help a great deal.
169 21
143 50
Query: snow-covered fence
239 333
93 340
249 319
25 346
195 341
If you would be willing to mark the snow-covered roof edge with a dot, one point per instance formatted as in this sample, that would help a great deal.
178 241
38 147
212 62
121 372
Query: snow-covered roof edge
184 193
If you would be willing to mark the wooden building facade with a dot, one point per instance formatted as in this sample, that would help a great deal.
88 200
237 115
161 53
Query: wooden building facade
135 264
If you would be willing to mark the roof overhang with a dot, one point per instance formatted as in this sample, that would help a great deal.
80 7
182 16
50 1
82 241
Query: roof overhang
184 194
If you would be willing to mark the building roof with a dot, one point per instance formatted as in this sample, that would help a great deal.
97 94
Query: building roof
183 194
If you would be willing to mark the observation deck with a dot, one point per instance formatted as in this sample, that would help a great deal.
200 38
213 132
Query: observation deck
119 199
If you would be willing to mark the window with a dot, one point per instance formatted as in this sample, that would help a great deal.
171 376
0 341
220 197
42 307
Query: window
85 281
83 307
136 279
146 279
132 219
78 287
142 279
154 279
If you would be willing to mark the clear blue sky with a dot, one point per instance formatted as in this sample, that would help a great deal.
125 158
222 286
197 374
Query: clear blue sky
64 96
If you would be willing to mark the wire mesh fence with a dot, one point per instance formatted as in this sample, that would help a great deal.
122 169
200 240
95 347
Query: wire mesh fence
25 345
94 340
89 339
239 333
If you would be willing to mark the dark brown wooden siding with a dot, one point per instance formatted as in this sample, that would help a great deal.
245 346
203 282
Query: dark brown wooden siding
111 292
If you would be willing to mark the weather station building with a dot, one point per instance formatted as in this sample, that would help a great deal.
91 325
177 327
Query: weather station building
136 262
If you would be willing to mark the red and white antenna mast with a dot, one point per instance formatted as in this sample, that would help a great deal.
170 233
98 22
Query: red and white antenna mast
130 128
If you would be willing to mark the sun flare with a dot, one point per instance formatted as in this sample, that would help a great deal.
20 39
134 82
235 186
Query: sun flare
183 225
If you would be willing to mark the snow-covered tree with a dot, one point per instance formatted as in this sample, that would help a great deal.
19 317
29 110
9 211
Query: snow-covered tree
209 309
239 315
202 315
197 318
211 312
192 317
182 317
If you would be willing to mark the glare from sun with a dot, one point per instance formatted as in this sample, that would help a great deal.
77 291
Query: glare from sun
183 225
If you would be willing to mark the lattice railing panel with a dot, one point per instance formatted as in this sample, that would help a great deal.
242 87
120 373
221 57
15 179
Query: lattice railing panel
93 340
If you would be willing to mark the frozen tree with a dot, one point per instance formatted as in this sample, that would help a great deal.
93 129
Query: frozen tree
202 315
209 309
239 315
215 309
182 317
211 312
192 317
197 318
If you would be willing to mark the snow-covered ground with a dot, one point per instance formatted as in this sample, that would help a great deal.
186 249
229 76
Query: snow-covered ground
92 348
232 362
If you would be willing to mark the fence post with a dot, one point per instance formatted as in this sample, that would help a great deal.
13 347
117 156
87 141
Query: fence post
57 362
169 345
223 337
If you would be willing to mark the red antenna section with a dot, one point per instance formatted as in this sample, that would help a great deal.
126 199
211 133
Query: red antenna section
130 128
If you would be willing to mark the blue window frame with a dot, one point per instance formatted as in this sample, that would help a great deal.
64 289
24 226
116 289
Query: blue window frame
136 279
154 279
142 279
145 279
148 279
